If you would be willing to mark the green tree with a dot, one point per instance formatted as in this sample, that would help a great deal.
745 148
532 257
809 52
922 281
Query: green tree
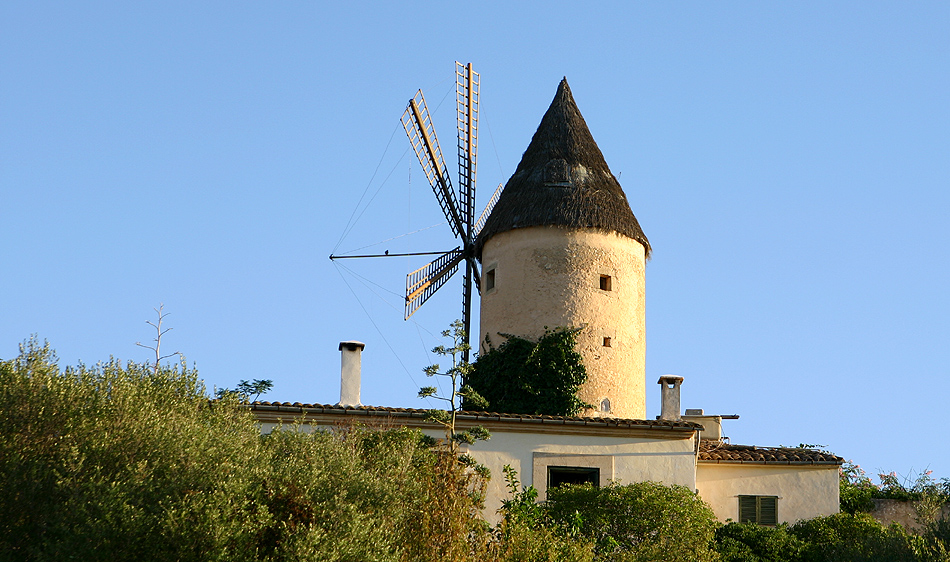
525 534
646 521
458 392
525 377
245 389
122 462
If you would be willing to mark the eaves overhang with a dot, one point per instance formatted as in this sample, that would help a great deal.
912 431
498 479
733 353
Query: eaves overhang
325 414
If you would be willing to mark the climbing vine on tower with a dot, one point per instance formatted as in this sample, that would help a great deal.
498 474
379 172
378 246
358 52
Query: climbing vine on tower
526 377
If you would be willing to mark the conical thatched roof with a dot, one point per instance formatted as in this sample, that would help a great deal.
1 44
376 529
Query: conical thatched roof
563 180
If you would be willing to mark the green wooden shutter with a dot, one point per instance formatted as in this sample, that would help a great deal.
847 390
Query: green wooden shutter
758 509
747 509
768 512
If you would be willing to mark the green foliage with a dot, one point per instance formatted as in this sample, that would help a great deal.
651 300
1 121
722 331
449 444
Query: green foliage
522 506
937 536
645 521
541 543
125 462
456 374
841 537
748 542
120 462
855 489
525 377
911 487
525 534
245 389
856 538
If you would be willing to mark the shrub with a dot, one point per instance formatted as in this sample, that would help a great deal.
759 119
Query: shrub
128 462
855 489
856 538
748 542
642 521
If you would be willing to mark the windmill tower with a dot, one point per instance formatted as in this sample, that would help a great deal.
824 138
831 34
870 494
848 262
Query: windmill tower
459 211
562 248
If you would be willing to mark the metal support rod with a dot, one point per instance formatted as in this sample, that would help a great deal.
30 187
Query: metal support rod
332 257
467 307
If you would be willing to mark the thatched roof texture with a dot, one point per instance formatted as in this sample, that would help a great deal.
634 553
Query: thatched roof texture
563 180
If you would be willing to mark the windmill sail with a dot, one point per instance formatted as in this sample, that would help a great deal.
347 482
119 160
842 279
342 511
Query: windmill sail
423 282
487 210
460 211
466 103
421 132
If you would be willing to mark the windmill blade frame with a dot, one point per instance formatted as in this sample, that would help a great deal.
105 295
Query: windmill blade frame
466 105
425 281
460 210
417 122
480 223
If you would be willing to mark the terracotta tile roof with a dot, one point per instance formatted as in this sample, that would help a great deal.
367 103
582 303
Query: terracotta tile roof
479 417
717 452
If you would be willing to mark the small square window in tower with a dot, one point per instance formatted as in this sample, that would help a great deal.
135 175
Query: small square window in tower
605 283
762 510
490 279
606 342
560 475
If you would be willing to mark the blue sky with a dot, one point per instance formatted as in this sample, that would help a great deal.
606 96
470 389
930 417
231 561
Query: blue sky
790 164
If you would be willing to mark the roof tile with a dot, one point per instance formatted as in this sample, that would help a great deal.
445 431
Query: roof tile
714 451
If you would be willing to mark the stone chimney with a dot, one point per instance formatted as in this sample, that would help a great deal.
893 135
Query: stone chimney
350 373
670 397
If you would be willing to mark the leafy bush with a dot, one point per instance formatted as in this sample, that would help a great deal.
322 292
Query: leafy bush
642 521
526 377
748 542
856 538
127 462
855 489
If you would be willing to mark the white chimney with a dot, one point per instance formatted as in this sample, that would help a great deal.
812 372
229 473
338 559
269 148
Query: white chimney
350 373
670 397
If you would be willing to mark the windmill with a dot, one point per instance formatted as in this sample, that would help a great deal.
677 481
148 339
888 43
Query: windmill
459 211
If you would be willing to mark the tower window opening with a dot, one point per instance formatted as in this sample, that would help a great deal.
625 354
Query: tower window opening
490 279
606 342
605 405
604 282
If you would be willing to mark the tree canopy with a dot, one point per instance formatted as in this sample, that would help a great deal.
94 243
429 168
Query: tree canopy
127 462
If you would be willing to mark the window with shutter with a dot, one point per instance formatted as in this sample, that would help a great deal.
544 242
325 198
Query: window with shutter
747 509
758 509
768 512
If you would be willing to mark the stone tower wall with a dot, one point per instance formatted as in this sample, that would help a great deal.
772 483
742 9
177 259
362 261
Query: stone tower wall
551 276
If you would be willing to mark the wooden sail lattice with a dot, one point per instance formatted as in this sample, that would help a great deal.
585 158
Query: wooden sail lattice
459 209
425 281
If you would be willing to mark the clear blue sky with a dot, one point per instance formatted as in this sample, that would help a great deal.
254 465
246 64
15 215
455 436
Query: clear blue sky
789 163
